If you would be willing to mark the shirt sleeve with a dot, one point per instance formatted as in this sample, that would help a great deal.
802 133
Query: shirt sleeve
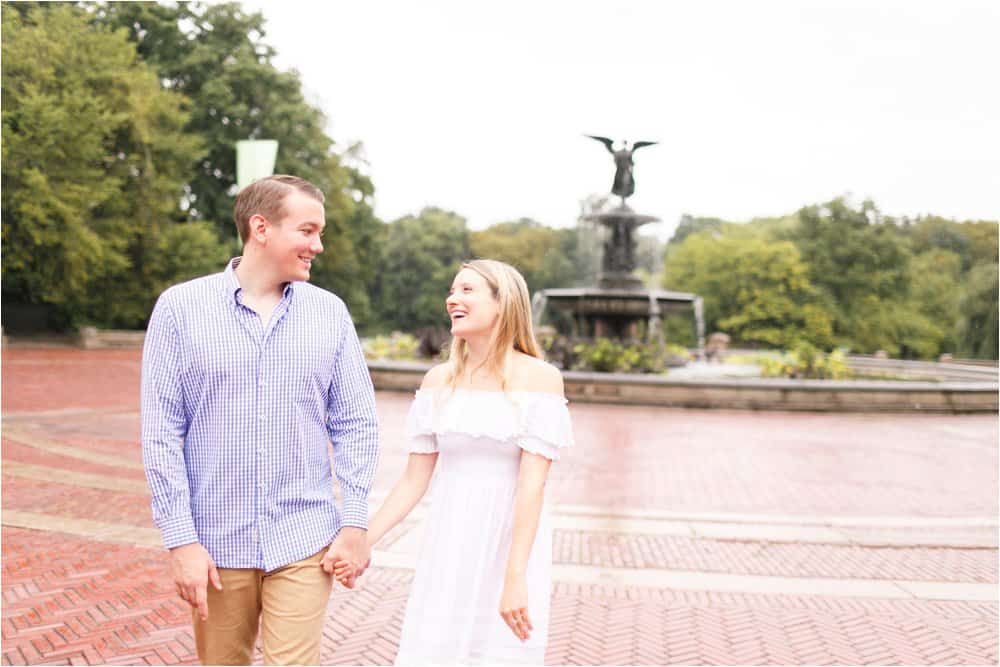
164 427
352 425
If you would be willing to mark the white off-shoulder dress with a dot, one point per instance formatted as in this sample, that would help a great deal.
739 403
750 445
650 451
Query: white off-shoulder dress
453 613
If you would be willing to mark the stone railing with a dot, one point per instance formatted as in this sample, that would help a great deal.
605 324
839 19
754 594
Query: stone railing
92 338
746 393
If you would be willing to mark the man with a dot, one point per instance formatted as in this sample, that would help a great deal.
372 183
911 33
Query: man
245 375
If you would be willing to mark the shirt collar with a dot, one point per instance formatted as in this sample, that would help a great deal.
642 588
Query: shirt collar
231 284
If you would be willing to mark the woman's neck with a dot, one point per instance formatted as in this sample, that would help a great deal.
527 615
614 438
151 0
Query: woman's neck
478 353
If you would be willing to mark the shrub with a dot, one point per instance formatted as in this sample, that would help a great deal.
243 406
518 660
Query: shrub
608 356
805 361
396 347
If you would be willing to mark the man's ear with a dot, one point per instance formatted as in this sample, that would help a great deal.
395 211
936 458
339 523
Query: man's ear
258 228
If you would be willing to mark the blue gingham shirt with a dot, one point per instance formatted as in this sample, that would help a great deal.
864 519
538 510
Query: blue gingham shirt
236 417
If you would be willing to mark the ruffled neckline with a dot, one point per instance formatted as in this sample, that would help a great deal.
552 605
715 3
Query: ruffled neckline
537 421
492 392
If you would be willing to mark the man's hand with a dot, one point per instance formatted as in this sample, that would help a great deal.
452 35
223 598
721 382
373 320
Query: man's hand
193 568
350 545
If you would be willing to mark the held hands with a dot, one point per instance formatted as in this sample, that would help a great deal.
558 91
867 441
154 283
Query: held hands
348 557
192 569
514 606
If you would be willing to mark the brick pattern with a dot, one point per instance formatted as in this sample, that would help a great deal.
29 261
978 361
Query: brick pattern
29 495
68 600
71 601
775 559
626 456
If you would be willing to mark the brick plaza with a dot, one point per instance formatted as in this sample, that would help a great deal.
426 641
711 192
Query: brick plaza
682 536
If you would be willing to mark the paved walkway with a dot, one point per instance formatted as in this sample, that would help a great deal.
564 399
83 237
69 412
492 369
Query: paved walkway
682 537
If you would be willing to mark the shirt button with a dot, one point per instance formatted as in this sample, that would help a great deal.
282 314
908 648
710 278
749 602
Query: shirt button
255 535
263 486
262 416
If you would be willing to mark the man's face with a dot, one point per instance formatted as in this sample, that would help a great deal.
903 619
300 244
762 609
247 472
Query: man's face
294 241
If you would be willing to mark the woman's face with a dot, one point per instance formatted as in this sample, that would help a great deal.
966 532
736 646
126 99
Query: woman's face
471 306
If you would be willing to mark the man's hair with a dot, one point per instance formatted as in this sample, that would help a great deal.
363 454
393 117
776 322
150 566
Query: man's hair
266 197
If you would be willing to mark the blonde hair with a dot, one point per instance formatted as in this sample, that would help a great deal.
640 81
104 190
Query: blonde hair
266 197
513 329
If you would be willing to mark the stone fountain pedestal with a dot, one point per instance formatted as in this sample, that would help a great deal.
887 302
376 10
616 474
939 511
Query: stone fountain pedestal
619 306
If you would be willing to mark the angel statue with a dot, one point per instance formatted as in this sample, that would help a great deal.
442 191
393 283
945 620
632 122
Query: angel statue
624 185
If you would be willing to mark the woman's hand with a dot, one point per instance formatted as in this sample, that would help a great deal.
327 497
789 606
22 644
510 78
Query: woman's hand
514 606
344 572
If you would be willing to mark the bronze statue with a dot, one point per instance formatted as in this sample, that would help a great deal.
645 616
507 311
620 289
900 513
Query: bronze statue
624 185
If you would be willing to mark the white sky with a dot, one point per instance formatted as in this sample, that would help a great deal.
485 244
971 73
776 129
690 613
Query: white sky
760 107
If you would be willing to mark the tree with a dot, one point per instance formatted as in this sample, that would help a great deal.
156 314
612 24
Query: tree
755 290
690 224
935 285
216 55
859 262
93 157
537 251
421 256
977 326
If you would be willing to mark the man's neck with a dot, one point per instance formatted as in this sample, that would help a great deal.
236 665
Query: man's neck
256 279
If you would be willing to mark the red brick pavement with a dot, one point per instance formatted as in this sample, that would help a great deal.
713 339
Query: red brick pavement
629 457
80 602
15 451
775 559
74 601
30 495
64 378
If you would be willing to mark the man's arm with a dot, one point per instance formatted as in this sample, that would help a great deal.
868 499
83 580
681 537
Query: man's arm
353 428
164 426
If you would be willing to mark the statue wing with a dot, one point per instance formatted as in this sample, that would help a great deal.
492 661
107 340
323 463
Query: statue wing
639 144
604 140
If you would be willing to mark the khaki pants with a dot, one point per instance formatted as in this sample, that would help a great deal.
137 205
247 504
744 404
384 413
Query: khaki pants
289 605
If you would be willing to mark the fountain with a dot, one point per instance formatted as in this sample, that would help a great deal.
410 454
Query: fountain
619 306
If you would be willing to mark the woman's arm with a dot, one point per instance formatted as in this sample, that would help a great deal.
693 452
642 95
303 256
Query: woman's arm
404 496
527 508
401 500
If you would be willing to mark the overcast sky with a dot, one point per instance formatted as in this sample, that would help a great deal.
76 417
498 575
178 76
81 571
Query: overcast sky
759 107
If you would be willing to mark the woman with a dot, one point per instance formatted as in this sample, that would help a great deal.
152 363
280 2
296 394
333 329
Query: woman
492 419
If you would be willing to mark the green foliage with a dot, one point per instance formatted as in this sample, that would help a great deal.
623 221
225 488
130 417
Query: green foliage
851 254
871 282
216 55
537 251
805 361
973 242
396 347
609 356
421 257
977 326
93 159
689 225
756 290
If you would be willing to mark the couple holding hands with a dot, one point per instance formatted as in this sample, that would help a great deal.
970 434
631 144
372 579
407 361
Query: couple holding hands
248 373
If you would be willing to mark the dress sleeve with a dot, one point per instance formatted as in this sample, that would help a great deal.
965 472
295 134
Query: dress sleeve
546 427
420 436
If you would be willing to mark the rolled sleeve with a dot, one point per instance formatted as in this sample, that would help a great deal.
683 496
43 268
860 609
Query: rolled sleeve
352 425
164 427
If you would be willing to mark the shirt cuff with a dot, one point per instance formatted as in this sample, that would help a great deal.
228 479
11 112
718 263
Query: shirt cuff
178 531
355 513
